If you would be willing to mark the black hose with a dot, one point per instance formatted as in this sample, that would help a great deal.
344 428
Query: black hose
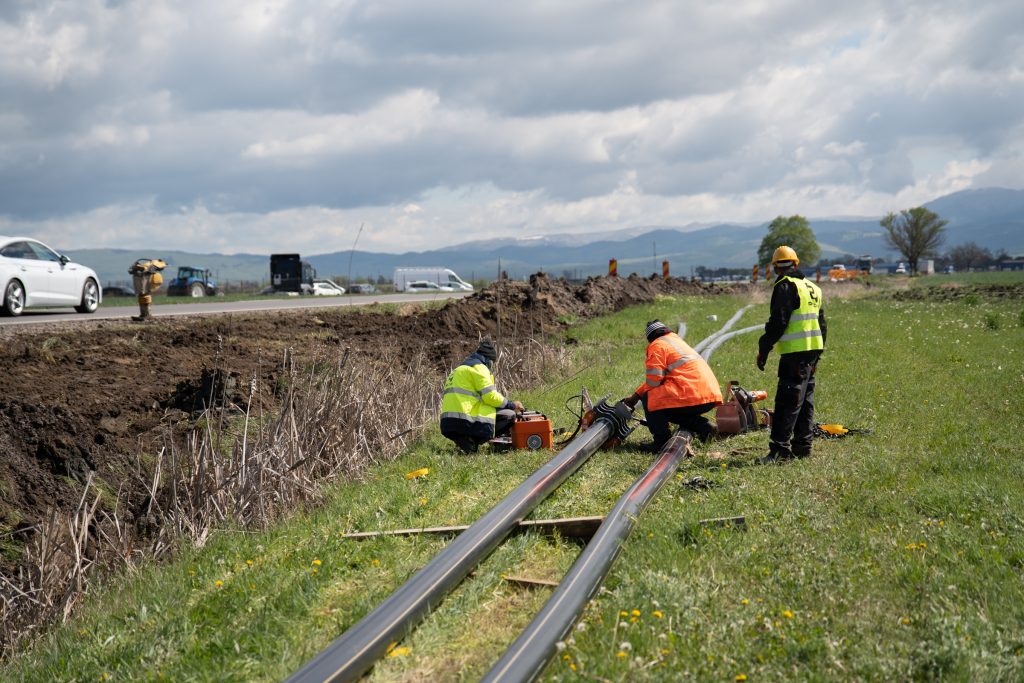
532 650
356 650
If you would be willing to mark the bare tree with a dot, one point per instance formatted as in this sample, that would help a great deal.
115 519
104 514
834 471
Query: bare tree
969 255
914 233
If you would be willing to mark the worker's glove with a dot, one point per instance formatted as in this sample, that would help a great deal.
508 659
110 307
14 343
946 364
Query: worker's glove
631 400
518 407
761 360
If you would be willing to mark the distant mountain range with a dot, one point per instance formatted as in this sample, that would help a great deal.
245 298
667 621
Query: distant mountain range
992 218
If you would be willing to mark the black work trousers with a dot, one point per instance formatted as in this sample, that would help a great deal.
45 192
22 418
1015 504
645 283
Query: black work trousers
690 418
503 421
793 419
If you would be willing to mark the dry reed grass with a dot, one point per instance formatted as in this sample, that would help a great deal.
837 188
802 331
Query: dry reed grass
243 466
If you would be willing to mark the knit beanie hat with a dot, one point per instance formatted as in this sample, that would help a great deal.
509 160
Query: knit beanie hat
655 329
487 350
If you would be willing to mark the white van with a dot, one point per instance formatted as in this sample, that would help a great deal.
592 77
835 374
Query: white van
442 277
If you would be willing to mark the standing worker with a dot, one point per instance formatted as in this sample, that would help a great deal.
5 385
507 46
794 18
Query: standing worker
472 410
796 327
680 387
146 279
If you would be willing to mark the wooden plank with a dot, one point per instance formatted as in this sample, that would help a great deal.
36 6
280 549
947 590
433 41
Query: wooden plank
530 583
569 527
738 522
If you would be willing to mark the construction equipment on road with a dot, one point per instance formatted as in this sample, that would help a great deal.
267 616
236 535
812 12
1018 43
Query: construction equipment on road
146 278
193 282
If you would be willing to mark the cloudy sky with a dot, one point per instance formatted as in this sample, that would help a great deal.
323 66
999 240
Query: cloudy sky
278 125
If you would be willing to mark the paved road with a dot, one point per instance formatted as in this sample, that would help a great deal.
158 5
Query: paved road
211 306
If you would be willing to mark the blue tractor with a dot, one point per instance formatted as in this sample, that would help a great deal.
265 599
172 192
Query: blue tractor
194 282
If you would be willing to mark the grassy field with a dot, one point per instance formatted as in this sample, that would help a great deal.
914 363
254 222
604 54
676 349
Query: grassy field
891 556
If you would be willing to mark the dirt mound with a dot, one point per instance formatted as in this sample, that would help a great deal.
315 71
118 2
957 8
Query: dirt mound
954 291
93 397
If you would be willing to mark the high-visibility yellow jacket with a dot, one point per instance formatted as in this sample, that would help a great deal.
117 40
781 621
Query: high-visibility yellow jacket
677 376
471 400
802 333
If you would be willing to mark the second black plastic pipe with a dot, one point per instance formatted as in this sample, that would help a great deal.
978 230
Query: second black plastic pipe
532 650
356 650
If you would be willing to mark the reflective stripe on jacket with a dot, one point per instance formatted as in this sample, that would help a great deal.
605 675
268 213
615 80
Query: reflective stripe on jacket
677 376
803 332
470 400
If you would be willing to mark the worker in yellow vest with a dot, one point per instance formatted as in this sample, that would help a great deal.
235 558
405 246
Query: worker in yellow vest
146 279
472 410
796 328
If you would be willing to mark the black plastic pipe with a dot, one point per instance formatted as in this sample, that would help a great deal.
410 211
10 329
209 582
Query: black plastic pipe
532 650
356 650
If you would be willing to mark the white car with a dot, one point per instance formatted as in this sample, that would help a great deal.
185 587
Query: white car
427 286
32 275
327 288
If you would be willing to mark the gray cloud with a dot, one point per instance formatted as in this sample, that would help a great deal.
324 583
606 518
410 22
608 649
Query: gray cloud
235 112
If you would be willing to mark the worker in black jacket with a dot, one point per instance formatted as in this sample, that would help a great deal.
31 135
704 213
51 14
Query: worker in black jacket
796 328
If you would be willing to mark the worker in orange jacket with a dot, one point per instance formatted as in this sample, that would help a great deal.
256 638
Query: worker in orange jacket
680 387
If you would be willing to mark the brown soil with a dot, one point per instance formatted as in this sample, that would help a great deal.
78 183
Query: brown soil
93 396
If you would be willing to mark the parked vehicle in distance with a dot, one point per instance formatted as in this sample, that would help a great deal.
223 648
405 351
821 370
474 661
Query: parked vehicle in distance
901 269
117 291
289 273
426 286
362 288
327 288
193 282
442 277
32 275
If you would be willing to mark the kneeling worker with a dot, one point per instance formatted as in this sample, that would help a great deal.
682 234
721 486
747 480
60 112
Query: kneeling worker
472 410
680 387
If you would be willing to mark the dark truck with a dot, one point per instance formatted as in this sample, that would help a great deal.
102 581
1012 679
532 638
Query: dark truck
289 273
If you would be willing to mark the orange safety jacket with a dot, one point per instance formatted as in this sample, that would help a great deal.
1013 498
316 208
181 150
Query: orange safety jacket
677 376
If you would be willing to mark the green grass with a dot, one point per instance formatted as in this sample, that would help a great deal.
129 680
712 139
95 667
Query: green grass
893 556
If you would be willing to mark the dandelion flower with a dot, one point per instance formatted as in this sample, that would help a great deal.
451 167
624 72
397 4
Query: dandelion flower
316 563
744 601
399 652
636 613
218 583
620 653
740 677
657 613
788 614
625 645
249 562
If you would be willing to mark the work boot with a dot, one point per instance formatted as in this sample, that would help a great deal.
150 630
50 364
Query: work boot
466 444
801 452
144 315
774 457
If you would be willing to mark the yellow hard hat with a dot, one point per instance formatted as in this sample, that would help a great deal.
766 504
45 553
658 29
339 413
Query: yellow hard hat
785 253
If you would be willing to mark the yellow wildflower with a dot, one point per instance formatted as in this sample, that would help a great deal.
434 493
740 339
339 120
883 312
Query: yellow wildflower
620 654
657 613
741 677
423 471
788 614
218 583
249 562
636 613
316 563
399 652
744 601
